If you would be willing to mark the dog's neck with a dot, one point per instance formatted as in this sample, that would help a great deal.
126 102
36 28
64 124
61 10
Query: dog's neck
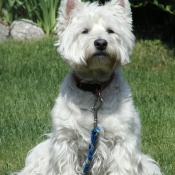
95 88
94 76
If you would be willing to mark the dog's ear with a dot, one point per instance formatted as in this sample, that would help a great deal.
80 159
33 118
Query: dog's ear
70 6
123 3
67 8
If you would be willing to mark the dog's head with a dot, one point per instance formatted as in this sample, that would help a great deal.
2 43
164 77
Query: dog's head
93 36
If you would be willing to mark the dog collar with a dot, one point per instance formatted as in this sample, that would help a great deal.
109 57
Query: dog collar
96 88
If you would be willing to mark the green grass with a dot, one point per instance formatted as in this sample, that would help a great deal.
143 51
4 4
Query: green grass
30 76
152 78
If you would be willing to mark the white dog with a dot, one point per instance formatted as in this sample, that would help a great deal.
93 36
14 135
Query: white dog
95 41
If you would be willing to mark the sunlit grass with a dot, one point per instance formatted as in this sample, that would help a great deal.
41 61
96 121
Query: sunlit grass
152 78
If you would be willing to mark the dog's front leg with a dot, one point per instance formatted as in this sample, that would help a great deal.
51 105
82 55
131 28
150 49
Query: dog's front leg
64 158
125 158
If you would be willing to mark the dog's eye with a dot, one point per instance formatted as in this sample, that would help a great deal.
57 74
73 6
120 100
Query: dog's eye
110 31
85 31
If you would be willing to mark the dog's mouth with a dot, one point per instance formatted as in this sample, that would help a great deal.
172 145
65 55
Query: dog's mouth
100 54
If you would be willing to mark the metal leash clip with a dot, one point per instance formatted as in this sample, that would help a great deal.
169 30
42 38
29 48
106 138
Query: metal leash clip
97 106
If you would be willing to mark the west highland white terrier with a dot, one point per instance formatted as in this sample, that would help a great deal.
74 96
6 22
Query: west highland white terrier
96 128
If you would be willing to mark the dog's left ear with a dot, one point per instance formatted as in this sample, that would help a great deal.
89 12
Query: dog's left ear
126 5
123 3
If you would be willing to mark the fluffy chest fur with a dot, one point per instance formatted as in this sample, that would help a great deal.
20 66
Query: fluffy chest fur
73 119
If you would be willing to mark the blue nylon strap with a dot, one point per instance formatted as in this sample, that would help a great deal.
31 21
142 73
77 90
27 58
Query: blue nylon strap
94 139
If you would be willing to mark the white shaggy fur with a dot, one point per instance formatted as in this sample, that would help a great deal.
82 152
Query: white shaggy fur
118 151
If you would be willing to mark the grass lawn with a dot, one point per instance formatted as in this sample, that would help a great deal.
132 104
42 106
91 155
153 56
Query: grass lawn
30 76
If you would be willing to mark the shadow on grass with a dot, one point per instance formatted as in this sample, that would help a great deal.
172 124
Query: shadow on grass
150 22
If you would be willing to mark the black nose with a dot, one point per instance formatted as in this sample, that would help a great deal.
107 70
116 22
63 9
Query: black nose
100 44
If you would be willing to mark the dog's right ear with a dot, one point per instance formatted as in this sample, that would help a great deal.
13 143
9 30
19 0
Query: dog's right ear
68 8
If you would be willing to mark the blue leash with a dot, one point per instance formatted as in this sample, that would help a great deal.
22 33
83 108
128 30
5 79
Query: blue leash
94 135
92 147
